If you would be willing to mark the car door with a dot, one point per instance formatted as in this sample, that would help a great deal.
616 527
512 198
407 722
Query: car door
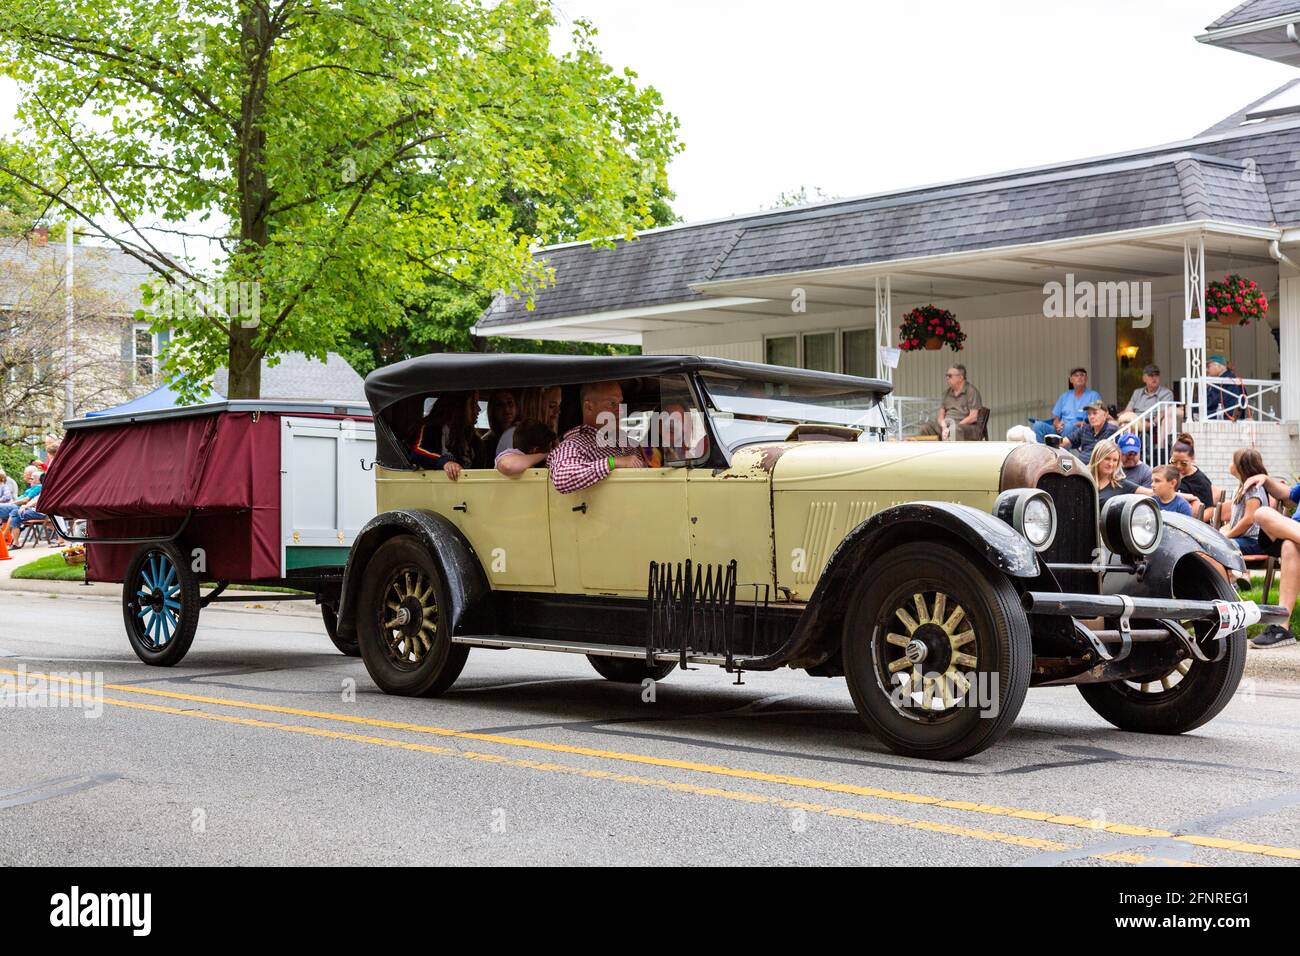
606 536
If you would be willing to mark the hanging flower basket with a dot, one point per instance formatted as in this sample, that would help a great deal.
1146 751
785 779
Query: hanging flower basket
930 327
1235 300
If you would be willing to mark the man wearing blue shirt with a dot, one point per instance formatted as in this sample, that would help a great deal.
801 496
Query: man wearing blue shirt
1069 408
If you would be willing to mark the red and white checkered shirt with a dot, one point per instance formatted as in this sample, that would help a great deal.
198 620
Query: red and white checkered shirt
578 461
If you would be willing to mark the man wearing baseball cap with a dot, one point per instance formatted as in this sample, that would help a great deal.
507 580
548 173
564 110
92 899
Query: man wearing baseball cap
1084 435
1135 469
1223 399
1147 396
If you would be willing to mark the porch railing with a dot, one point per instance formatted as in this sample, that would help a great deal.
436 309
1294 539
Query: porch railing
1155 428
1260 399
910 412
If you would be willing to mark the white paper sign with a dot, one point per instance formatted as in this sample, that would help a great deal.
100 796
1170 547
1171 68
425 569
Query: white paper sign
889 356
1234 615
1193 333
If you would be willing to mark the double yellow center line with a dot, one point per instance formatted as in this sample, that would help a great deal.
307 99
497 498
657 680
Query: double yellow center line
788 780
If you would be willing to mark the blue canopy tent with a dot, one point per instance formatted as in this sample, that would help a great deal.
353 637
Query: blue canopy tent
161 397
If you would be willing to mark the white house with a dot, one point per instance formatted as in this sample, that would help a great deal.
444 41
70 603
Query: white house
824 286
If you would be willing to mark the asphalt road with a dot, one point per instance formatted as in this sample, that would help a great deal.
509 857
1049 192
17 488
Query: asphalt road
267 747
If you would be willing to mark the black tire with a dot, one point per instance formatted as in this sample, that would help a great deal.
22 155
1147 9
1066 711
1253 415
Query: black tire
410 656
330 615
1194 691
160 604
627 670
911 720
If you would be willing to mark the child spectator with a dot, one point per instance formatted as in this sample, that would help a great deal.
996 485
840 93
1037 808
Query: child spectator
1164 482
1242 529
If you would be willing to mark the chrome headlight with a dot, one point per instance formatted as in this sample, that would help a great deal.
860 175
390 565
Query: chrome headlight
1031 512
1132 524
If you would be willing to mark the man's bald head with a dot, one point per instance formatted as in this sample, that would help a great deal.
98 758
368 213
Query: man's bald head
599 398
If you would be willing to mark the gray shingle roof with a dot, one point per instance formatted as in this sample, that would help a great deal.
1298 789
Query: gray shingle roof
301 378
1163 186
1095 201
1253 10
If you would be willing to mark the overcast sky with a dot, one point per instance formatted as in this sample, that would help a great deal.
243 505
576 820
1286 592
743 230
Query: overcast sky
858 97
861 97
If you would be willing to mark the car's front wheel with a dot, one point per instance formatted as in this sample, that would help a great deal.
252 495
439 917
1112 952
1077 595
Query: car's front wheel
1192 692
937 652
402 626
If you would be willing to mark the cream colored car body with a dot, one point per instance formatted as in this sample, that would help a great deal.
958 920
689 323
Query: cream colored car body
779 510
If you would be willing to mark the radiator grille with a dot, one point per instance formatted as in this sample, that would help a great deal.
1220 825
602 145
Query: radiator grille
1076 529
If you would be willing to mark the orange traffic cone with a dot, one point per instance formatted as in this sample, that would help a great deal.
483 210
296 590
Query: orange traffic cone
4 547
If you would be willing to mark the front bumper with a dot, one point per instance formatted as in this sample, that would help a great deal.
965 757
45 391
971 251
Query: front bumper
1146 608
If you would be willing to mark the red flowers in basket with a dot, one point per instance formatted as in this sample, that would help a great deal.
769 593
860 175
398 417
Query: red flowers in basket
930 327
1235 300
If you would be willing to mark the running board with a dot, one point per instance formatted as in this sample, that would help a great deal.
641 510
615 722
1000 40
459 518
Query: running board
595 650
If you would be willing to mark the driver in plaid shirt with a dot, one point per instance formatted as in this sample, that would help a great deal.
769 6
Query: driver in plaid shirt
579 461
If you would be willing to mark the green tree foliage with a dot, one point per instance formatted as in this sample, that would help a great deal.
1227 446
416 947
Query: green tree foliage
341 155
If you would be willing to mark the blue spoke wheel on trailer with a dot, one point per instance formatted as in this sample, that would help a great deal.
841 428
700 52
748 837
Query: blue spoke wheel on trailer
160 604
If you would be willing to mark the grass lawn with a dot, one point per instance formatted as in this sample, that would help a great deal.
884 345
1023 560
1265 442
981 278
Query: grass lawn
1256 594
52 568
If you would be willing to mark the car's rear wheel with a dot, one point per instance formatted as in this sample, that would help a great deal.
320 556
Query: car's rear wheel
625 670
329 613
402 626
1191 693
937 652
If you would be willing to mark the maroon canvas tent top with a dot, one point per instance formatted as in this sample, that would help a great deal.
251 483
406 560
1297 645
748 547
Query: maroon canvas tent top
214 468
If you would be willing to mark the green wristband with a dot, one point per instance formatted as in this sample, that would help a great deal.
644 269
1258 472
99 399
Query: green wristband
611 462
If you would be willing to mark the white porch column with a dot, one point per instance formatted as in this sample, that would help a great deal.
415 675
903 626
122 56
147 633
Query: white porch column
1194 308
884 332
1288 318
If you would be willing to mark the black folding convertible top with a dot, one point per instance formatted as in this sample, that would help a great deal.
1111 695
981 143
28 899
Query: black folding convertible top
407 383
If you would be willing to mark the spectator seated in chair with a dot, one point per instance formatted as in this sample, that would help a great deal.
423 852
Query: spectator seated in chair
1082 437
24 502
959 410
1135 469
1279 535
1069 408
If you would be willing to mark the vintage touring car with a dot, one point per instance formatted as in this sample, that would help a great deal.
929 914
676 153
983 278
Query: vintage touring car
941 580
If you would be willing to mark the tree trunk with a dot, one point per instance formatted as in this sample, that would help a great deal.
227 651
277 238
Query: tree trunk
244 363
245 359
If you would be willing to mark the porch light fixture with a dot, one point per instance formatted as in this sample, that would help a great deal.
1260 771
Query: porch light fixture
1128 352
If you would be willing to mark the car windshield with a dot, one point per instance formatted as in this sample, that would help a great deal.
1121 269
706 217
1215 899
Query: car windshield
753 409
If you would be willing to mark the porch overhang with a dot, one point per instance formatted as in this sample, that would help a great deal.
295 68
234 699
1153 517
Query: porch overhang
1272 38
1135 254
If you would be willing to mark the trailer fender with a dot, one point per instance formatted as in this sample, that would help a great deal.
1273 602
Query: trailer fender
465 583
